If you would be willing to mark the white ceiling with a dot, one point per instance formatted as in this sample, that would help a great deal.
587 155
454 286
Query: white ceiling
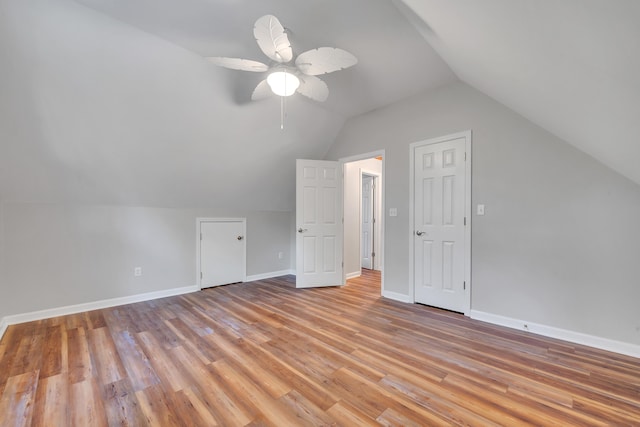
110 101
394 61
570 66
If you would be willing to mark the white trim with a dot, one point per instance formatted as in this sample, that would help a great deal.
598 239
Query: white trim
383 179
467 211
270 275
199 222
3 326
95 305
353 275
397 296
563 334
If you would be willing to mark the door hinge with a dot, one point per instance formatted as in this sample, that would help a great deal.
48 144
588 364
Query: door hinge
374 220
200 236
465 220
373 254
464 285
201 275
465 156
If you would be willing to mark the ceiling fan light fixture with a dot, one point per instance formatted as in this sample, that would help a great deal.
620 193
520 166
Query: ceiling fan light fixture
283 83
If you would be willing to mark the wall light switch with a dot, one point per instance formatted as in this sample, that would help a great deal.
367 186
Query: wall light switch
393 211
137 272
480 210
280 255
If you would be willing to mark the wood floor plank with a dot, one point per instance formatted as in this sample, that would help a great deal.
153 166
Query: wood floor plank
104 356
52 402
135 361
121 404
267 354
17 401
87 407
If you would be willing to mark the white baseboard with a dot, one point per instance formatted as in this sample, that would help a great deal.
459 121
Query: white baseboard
270 275
397 296
563 334
354 274
95 305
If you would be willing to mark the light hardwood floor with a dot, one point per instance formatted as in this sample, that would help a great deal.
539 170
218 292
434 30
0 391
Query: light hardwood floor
265 353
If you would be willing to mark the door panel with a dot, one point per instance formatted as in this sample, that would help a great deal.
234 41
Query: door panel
319 223
222 253
439 229
366 247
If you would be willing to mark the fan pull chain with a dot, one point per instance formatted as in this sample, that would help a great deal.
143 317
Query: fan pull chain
282 113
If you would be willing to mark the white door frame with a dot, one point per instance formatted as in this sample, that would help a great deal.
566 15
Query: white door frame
378 256
199 222
467 212
355 158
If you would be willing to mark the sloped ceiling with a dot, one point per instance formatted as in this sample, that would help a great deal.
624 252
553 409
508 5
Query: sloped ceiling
111 101
570 66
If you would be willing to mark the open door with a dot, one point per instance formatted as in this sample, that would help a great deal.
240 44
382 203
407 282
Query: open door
319 223
367 222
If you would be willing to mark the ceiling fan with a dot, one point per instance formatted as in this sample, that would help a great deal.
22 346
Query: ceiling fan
287 76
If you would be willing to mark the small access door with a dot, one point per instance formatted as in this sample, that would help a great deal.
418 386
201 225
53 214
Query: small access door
222 251
318 223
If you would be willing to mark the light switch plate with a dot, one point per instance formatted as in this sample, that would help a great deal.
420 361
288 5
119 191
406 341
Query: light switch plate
480 210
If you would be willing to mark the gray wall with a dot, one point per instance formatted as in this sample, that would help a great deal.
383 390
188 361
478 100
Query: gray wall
269 233
3 287
64 254
560 239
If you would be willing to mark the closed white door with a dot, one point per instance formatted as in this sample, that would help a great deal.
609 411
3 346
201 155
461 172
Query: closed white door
318 223
439 224
366 244
222 252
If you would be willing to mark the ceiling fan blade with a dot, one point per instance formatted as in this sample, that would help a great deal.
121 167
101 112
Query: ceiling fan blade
272 39
314 88
324 60
261 91
238 64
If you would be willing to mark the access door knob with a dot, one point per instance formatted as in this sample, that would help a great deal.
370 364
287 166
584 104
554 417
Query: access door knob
240 237
419 233
301 230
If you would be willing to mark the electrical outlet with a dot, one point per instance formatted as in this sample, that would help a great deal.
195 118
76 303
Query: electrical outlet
280 255
137 272
480 210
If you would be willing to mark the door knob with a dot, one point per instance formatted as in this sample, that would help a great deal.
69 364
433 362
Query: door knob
419 233
301 230
240 237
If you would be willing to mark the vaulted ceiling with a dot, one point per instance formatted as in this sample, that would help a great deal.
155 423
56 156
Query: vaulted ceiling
112 101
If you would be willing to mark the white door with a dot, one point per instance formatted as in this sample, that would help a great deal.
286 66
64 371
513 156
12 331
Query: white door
366 245
440 206
319 223
222 252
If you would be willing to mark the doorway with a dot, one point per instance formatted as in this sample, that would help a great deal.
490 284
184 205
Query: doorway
363 214
440 209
